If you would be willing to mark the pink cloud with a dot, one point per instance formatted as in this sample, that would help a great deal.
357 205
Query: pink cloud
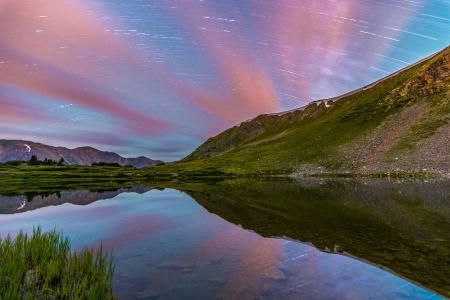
62 85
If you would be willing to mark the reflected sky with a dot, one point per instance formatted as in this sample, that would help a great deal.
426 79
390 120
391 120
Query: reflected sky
158 78
166 244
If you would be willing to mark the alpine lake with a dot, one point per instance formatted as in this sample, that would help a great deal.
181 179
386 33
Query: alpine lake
241 238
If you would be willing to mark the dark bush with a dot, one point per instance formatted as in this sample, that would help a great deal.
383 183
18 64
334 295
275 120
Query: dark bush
105 164
14 163
33 161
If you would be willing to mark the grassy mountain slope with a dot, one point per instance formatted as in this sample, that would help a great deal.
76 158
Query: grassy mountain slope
399 124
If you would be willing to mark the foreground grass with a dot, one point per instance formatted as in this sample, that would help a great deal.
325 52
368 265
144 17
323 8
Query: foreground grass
43 267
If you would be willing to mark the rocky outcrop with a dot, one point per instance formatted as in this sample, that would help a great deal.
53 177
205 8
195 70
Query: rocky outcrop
397 124
416 138
432 80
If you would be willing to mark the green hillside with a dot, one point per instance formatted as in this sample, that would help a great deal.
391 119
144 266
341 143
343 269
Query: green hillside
397 125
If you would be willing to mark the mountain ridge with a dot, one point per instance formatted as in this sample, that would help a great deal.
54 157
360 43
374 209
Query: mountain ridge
23 150
402 118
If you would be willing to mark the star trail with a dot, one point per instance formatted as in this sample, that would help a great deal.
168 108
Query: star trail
157 78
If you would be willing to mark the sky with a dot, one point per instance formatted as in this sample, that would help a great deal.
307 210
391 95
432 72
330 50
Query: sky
159 77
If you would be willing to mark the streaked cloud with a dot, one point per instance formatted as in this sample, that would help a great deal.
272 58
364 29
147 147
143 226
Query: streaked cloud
148 71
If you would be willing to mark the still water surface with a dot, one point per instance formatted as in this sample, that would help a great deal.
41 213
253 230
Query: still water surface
167 246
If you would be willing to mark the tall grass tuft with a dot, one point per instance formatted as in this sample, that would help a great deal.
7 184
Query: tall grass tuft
43 267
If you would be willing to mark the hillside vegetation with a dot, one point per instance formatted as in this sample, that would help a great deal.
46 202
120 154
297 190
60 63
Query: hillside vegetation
397 125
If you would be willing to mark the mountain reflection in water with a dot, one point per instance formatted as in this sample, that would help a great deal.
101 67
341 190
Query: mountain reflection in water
167 246
403 225
33 200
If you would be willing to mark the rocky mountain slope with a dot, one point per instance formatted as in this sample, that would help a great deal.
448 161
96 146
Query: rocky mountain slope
23 150
399 124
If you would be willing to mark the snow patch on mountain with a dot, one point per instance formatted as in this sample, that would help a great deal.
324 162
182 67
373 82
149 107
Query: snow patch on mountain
28 148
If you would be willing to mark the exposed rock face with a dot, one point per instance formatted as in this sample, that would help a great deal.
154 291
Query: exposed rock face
432 80
418 135
23 150
426 154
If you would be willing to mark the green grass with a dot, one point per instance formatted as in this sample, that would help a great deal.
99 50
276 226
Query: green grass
309 137
43 267
14 179
283 144
279 145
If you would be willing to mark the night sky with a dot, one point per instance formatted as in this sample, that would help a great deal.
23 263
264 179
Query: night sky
158 77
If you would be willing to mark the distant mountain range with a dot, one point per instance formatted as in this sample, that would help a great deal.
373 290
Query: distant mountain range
23 150
397 124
